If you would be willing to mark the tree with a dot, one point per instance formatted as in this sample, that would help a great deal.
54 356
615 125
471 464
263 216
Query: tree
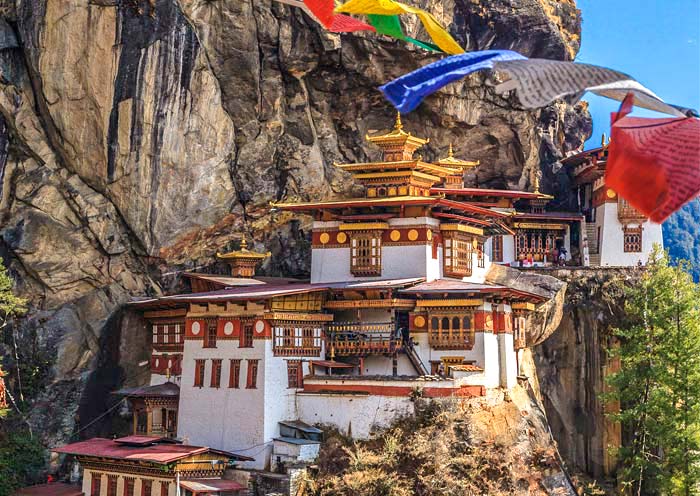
658 385
10 306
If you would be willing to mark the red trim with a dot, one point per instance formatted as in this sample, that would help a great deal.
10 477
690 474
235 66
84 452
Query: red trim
395 391
462 218
471 208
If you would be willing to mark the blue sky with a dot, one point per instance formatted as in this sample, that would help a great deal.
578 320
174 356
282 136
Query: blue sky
656 42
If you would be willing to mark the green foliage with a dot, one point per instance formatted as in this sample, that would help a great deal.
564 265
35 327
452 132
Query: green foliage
10 305
21 461
658 385
682 236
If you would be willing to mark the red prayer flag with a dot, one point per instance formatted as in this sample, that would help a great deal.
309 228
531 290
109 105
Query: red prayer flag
654 163
336 23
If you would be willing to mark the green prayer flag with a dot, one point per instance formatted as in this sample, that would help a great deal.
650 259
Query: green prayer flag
390 25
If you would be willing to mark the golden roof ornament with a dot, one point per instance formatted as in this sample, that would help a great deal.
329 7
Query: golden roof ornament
243 261
537 183
398 126
456 163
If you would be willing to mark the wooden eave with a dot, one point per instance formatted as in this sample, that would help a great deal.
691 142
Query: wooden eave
359 202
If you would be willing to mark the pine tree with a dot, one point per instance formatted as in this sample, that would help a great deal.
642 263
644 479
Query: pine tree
10 306
658 385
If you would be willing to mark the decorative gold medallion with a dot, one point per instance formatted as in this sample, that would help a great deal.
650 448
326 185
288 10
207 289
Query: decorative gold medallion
429 235
412 235
341 237
395 235
419 321
611 193
324 238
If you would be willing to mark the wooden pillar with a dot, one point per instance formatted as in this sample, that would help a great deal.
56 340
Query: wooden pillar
362 365
394 365
135 419
149 421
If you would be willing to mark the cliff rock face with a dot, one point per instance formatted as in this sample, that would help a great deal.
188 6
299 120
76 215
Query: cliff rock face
572 364
140 136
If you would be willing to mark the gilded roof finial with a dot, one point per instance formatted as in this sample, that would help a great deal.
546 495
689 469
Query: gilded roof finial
537 182
603 143
244 244
398 125
450 153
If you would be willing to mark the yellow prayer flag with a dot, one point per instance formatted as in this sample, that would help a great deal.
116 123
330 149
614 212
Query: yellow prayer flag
440 36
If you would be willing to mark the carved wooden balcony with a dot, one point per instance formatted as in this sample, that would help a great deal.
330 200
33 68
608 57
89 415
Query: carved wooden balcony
362 339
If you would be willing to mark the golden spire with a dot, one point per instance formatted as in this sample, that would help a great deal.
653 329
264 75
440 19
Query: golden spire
450 153
244 244
603 140
398 125
537 182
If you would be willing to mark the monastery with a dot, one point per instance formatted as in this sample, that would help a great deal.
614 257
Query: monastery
397 306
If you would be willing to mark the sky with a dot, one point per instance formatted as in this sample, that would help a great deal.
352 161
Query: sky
656 42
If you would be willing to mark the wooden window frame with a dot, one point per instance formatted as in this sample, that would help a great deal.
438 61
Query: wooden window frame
128 486
458 254
480 255
199 370
234 376
215 380
632 239
146 487
445 336
295 374
251 381
111 485
497 248
210 334
96 484
366 253
247 333
297 339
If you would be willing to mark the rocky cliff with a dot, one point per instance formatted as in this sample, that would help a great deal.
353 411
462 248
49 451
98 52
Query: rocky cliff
137 137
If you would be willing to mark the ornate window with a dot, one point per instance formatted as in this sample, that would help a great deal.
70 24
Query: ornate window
519 330
497 248
480 258
210 335
633 239
215 373
297 339
458 255
234 377
451 331
146 487
199 373
295 377
111 485
252 379
366 253
168 337
129 483
96 484
246 334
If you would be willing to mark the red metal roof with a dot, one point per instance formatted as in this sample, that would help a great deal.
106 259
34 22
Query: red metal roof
567 216
155 453
138 440
505 193
52 489
439 286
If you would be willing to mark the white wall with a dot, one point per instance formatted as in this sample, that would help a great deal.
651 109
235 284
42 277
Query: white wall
507 360
223 418
352 412
612 248
382 365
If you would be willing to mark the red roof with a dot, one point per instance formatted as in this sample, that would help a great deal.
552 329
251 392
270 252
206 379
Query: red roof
566 216
53 489
155 453
505 193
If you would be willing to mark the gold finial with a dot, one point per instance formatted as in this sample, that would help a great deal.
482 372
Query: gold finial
603 140
537 182
398 125
244 244
450 153
167 374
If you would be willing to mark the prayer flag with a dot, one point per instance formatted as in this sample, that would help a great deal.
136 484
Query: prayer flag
407 91
390 7
654 163
538 82
390 25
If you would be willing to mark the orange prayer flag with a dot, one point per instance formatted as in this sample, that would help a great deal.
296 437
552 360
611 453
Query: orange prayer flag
654 163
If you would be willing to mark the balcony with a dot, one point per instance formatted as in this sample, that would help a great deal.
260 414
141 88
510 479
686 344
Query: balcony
362 339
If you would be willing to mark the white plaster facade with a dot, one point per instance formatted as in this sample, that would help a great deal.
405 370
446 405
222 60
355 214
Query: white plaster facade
612 241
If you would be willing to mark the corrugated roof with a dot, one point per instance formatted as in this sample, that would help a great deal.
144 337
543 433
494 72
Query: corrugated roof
154 453
294 440
302 426
52 489
452 286
169 389
224 280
